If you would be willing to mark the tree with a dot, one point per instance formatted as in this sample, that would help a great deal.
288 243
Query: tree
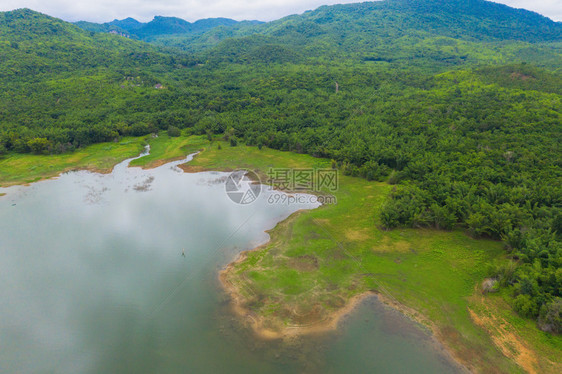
174 131
442 217
557 224
525 305
478 224
550 318
39 145
229 133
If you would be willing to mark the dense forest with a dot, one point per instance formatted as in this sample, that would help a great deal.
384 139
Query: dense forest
457 103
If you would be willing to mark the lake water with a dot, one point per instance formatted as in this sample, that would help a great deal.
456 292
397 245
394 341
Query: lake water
93 280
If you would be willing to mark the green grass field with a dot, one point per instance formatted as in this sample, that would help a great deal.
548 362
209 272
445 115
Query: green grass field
17 168
317 260
165 149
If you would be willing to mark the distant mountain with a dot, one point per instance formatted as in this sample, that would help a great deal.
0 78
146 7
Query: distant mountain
163 26
128 24
444 32
439 33
207 24
159 26
461 19
102 27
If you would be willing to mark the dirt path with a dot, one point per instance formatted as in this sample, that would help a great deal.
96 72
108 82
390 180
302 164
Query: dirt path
510 343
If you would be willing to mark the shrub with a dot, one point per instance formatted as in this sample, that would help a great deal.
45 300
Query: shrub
550 318
525 306
39 145
174 131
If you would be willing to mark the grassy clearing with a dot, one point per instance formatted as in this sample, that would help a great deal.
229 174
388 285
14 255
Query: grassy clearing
228 158
165 149
318 260
18 168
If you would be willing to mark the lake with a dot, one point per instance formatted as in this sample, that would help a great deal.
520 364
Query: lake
117 273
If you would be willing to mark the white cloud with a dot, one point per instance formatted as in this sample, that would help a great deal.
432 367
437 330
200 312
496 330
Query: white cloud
191 10
550 8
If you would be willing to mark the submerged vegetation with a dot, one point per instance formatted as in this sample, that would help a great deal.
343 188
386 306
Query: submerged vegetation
449 111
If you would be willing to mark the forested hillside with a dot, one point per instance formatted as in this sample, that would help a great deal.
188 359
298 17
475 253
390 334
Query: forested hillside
63 87
458 103
434 34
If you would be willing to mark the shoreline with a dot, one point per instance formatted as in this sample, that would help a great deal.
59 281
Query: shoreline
330 324
434 330
190 169
57 174
89 168
256 322
157 163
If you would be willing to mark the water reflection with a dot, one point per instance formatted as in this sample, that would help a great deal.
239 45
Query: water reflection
94 281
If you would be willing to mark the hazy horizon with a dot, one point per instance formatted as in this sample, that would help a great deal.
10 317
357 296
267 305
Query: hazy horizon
193 10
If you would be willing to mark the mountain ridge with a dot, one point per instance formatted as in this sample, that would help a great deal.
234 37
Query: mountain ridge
385 30
468 20
160 25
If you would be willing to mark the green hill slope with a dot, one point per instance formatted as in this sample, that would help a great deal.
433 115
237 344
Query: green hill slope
438 33
66 85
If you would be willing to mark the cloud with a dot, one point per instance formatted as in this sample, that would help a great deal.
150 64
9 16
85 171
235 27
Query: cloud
550 8
191 10
145 10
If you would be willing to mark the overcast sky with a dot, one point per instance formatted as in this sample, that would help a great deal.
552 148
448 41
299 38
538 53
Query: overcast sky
191 10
